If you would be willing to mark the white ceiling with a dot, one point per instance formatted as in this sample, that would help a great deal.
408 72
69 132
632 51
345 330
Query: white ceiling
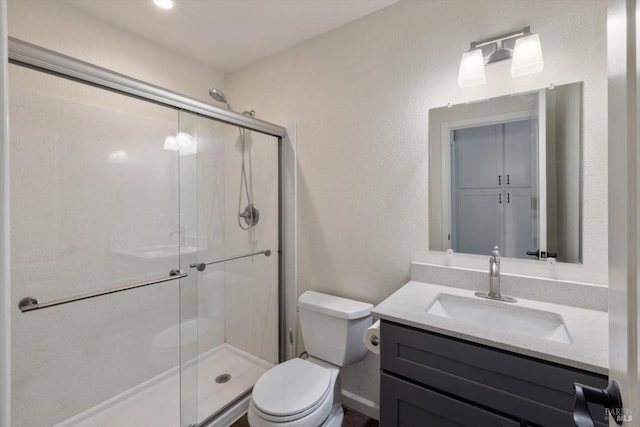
229 34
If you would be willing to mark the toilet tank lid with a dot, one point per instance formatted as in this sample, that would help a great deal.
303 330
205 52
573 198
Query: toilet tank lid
334 306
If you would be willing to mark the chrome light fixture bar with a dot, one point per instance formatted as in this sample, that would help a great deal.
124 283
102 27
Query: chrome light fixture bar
522 46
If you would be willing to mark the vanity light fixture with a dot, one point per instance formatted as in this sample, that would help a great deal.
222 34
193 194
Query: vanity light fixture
522 46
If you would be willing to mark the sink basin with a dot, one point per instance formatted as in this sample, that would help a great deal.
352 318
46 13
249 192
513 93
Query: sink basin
501 316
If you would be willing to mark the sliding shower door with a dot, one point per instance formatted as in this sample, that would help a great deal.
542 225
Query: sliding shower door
237 293
96 206
145 257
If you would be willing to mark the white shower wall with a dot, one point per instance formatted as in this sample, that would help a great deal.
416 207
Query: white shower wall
210 186
251 297
240 296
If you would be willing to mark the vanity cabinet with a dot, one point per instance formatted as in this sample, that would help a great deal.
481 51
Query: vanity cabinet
428 379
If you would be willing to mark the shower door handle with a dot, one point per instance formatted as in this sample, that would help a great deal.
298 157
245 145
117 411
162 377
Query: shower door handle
30 304
201 266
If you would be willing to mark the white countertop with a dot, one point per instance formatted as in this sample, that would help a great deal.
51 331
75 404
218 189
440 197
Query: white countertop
589 329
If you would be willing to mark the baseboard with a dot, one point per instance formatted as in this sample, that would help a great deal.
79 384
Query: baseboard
360 404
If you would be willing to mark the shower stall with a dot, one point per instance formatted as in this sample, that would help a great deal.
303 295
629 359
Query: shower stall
139 300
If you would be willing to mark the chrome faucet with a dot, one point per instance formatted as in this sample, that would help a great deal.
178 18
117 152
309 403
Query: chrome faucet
494 279
494 273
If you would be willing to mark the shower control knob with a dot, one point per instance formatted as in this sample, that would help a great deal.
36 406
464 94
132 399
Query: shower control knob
251 215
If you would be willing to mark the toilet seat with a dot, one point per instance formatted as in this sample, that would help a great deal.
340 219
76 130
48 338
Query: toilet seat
292 390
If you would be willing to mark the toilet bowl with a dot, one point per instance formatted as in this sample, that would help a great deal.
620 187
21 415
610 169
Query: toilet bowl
297 393
306 392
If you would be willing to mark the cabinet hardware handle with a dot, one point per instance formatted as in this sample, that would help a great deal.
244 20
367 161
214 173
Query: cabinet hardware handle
499 179
499 197
508 177
508 196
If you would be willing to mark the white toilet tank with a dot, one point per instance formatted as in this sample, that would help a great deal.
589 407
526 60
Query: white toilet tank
333 327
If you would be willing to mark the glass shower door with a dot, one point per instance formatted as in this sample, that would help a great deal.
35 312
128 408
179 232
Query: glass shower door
95 206
236 293
117 205
192 327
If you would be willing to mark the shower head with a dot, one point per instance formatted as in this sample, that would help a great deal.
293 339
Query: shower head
218 95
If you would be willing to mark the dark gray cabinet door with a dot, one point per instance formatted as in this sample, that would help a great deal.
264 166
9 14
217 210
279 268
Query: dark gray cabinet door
518 387
404 404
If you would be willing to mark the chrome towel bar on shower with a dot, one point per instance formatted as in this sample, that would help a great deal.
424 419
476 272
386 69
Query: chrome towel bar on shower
30 304
201 266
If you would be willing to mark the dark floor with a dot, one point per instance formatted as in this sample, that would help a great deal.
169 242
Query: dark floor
351 419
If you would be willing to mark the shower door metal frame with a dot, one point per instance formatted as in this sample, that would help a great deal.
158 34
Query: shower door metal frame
36 57
31 56
5 263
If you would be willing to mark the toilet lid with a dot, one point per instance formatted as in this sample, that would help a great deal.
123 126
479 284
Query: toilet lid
291 387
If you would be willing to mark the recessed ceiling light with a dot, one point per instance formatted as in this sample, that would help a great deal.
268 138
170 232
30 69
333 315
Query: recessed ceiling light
164 4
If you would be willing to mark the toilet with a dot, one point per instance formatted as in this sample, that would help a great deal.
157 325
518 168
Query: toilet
306 392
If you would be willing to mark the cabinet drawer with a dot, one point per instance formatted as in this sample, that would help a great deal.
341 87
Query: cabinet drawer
520 386
403 404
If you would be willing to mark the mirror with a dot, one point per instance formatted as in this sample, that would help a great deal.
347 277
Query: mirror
507 171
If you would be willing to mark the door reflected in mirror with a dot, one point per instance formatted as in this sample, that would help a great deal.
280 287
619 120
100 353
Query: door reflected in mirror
507 172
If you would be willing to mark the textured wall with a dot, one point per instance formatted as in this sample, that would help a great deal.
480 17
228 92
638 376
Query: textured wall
360 96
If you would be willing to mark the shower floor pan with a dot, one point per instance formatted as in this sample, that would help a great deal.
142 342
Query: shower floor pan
156 402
